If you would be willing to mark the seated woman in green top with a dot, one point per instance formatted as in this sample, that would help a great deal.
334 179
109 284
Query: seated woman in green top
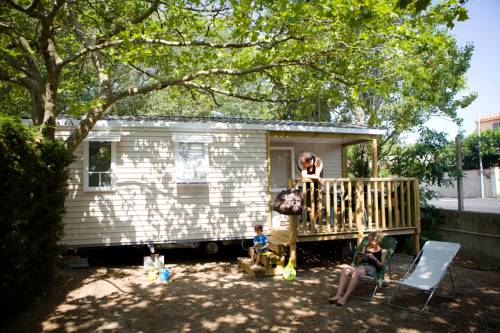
369 262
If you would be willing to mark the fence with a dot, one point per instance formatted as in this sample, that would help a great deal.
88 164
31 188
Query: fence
477 189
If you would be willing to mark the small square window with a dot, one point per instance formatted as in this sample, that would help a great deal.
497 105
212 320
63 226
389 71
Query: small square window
99 165
191 162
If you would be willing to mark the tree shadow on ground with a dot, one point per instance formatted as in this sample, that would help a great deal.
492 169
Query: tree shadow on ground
213 295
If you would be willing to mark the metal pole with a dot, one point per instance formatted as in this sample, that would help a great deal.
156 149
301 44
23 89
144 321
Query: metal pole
460 184
479 152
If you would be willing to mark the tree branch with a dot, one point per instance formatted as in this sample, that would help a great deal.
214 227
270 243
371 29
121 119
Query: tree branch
212 72
164 42
26 82
57 5
138 19
24 44
29 10
14 63
239 96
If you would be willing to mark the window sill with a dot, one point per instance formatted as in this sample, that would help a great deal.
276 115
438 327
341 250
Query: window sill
100 189
192 182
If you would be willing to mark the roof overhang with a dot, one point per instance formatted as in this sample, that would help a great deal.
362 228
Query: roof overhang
276 130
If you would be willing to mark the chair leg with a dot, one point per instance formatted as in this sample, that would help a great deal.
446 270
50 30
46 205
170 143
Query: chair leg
428 299
372 295
408 309
374 291
452 283
394 293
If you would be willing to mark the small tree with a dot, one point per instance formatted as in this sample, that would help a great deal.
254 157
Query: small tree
490 149
32 194
431 159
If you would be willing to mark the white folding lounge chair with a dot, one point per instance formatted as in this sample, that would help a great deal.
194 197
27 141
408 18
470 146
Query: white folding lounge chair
427 270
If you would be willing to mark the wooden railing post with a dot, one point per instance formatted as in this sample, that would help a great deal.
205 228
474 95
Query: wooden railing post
304 211
402 202
382 203
335 208
409 207
312 213
328 205
396 203
376 211
416 236
369 204
349 202
360 225
389 203
292 238
342 206
319 216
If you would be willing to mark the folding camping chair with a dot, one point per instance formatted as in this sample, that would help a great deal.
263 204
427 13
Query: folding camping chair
387 243
428 269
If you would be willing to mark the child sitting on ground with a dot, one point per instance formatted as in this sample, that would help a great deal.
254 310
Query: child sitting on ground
260 244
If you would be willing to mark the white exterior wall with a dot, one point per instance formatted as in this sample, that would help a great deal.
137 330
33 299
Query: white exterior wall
330 154
148 204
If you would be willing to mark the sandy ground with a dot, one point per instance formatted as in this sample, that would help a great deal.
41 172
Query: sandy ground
213 295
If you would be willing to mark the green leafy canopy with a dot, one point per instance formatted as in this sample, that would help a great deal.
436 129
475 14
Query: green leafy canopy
378 62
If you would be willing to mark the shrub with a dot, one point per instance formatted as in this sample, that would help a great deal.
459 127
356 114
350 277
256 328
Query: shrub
32 194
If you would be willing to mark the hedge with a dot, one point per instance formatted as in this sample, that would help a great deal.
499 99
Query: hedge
32 192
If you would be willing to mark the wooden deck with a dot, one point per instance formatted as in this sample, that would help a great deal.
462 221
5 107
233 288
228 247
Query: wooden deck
350 208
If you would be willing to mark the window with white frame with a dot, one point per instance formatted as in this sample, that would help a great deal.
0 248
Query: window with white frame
99 162
191 158
282 167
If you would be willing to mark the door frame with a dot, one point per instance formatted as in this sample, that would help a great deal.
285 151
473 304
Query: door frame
292 164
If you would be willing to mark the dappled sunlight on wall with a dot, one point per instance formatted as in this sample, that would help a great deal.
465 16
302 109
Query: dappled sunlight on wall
148 205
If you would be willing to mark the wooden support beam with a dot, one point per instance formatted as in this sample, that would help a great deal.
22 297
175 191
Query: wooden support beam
335 208
292 239
312 213
416 236
348 138
344 161
327 208
268 176
389 203
349 204
360 225
374 158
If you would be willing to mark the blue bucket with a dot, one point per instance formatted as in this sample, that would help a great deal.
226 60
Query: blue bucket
164 274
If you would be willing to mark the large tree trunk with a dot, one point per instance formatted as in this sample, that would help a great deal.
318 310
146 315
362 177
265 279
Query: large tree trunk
37 107
43 113
49 117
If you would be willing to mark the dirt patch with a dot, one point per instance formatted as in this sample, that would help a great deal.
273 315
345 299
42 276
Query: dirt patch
206 295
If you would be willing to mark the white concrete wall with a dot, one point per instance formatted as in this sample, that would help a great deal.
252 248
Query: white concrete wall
472 185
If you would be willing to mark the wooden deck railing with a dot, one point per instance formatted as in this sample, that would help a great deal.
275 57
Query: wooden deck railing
347 205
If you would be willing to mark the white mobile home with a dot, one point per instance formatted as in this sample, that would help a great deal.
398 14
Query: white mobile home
141 180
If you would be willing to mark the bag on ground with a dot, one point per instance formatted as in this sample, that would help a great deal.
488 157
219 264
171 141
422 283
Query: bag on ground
289 272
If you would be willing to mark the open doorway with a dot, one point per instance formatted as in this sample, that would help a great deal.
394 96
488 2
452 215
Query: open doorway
282 169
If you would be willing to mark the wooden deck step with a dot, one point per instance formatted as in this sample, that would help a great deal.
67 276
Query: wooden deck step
279 236
260 271
271 259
